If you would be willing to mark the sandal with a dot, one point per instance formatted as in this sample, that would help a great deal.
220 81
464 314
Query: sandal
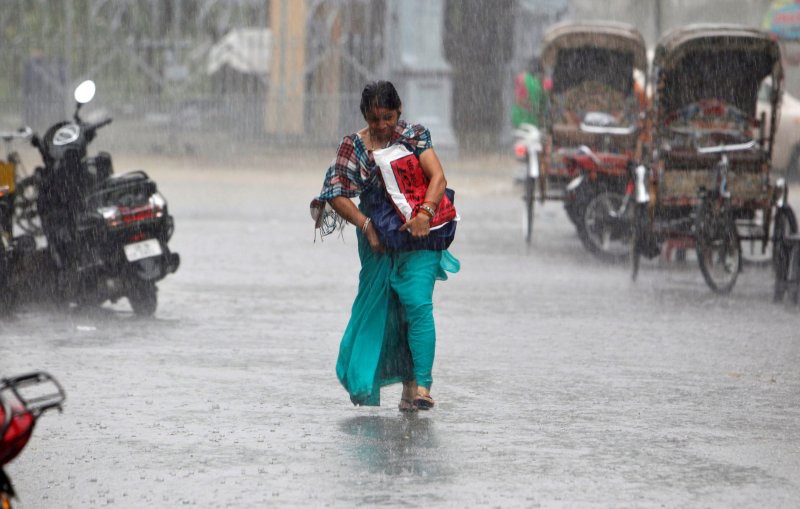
424 402
406 405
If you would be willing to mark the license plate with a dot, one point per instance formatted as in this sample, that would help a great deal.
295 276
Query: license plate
143 249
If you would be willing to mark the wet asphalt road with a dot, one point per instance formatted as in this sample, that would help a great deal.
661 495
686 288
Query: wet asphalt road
559 382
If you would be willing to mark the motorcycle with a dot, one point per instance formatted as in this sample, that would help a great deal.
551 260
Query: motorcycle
11 247
597 201
107 235
23 399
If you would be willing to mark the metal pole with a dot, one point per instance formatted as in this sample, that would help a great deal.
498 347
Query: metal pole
177 15
282 61
68 5
658 19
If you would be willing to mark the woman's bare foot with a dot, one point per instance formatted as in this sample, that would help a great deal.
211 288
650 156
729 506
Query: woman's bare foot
407 398
423 399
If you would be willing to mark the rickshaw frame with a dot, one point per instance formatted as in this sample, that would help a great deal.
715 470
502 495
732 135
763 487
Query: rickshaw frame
597 154
711 195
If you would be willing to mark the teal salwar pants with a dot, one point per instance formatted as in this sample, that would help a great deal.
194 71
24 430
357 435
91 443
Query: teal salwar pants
391 335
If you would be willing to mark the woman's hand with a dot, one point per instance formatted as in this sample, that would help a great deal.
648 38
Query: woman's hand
419 226
373 239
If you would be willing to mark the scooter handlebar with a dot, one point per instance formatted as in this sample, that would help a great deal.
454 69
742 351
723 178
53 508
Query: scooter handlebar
100 124
23 133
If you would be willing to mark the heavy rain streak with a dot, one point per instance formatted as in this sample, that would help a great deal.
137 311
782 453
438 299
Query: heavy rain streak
624 327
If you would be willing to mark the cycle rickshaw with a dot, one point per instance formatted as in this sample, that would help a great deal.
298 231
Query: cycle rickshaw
707 182
592 129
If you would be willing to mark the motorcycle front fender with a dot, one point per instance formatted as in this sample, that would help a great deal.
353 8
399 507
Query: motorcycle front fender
533 164
575 184
781 193
641 192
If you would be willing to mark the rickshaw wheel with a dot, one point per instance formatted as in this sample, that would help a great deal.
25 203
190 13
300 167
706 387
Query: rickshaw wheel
754 253
603 228
527 217
785 223
718 250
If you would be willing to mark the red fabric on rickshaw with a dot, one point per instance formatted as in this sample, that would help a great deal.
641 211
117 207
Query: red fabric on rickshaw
16 436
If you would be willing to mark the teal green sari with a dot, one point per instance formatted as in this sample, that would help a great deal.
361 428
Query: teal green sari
391 335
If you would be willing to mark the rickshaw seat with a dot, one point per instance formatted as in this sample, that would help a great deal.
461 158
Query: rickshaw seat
587 96
566 135
569 107
689 158
686 171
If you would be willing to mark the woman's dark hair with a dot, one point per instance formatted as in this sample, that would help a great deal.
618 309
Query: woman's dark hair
379 94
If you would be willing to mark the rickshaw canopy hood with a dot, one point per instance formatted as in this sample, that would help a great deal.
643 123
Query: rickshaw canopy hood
718 61
607 35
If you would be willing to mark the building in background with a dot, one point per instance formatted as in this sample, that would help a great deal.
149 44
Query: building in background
453 60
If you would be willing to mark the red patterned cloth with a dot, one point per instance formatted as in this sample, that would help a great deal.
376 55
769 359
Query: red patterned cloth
406 185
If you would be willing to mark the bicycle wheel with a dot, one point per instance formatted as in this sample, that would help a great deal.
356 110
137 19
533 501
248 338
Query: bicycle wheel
718 251
637 240
528 200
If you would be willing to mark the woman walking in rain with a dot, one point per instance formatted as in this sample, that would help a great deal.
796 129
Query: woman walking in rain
391 336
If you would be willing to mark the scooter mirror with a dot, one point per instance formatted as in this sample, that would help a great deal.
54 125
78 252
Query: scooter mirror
85 92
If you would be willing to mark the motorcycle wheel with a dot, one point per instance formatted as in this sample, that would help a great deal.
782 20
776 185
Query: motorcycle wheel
5 290
6 491
603 234
572 208
718 250
143 297
528 199
7 299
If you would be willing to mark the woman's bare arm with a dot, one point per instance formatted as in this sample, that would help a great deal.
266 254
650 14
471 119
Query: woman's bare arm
433 170
347 209
420 225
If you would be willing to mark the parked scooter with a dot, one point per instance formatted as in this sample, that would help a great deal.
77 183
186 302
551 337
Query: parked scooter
23 399
106 235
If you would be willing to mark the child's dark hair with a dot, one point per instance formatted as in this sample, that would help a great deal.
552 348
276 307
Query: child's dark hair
379 94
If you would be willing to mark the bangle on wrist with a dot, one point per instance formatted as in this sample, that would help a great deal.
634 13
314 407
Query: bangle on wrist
366 223
427 210
425 213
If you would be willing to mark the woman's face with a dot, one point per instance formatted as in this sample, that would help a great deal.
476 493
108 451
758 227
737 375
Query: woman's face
381 122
